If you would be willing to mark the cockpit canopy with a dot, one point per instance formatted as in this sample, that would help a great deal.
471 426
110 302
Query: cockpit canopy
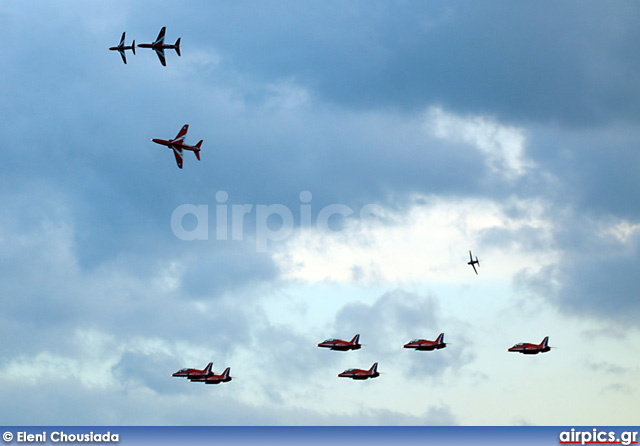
183 370
330 340
349 370
520 344
415 341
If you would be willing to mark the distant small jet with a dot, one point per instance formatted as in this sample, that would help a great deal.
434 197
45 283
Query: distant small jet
361 374
194 373
159 46
122 48
423 344
177 145
531 349
340 345
213 378
473 262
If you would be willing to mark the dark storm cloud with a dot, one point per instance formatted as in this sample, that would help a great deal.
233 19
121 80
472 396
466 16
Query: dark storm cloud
595 275
548 62
592 171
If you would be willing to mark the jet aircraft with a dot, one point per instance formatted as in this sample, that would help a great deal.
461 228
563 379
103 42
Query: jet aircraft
423 344
360 374
213 378
159 46
177 145
473 262
531 349
340 345
194 373
121 48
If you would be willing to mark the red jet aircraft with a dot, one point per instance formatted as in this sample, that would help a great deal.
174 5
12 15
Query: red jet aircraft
423 344
339 344
194 373
159 46
178 145
361 374
213 378
531 349
122 47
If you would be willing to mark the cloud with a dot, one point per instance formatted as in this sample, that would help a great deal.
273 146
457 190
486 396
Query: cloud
503 146
593 275
461 130
432 237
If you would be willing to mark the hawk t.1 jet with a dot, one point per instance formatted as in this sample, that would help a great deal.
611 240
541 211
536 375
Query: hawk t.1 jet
423 344
473 262
361 374
177 145
159 46
340 345
213 378
194 373
122 48
531 349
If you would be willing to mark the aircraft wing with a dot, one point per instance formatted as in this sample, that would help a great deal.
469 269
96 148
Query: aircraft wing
160 53
181 134
178 155
470 256
124 58
160 38
474 268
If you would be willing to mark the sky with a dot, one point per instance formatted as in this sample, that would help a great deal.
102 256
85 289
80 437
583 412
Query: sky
354 153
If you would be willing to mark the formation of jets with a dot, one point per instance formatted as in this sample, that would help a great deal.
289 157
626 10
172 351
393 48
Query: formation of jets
178 146
205 375
158 46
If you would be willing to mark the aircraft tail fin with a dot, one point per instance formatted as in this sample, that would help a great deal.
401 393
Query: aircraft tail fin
374 368
545 342
440 339
225 374
356 340
208 367
197 152
477 261
133 47
177 45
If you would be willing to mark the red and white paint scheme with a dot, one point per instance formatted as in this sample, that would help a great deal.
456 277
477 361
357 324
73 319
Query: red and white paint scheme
423 344
473 263
159 46
194 373
531 349
122 47
340 345
213 378
178 145
361 374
